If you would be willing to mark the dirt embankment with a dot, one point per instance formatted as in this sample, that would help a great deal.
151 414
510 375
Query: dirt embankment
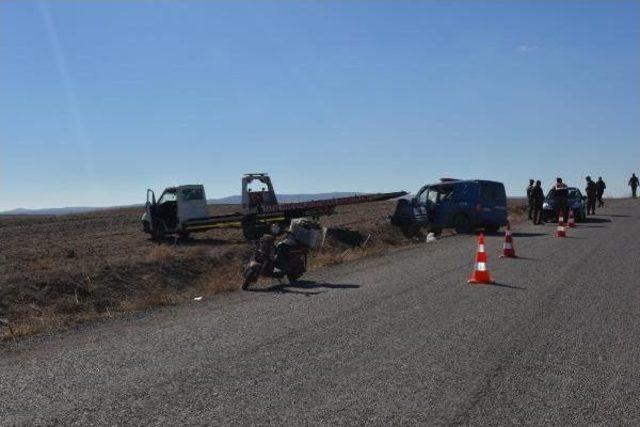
60 271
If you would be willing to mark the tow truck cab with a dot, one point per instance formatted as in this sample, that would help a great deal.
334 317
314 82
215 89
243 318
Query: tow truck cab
176 206
451 203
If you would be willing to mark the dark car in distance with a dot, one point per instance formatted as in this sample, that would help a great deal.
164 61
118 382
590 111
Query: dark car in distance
451 203
576 201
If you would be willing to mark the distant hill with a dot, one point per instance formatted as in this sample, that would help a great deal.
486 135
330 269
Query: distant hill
229 200
51 211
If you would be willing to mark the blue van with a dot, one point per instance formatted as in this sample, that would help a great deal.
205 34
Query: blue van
451 203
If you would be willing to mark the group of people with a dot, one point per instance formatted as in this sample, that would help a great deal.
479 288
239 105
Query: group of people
535 197
595 191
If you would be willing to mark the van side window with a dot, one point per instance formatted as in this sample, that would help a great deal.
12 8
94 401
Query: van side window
422 197
447 193
461 192
432 196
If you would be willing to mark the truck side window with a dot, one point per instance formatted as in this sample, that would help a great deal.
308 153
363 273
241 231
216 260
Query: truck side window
192 194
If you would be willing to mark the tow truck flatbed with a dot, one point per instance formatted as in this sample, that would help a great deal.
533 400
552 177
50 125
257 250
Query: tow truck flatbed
182 211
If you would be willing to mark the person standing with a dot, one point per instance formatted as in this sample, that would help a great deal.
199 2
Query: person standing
592 191
633 182
529 200
600 186
537 198
561 197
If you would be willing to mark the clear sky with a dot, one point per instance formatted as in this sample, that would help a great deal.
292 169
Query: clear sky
100 100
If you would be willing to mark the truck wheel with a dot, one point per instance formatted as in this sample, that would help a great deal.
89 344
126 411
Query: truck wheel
462 224
157 233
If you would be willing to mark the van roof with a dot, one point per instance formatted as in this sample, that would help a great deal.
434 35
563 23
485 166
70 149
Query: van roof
465 181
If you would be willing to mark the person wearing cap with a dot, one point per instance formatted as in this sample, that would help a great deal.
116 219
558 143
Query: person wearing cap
561 197
592 191
600 185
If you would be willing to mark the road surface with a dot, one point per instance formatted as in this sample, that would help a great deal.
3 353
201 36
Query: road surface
399 339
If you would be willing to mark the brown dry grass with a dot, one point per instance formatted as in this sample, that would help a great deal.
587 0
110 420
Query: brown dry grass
60 271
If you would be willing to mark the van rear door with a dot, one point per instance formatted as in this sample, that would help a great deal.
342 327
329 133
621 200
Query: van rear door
494 203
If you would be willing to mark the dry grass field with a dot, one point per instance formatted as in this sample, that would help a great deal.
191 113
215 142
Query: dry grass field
57 271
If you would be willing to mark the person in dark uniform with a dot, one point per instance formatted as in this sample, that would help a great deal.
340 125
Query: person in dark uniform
633 182
537 198
561 197
600 186
529 200
592 191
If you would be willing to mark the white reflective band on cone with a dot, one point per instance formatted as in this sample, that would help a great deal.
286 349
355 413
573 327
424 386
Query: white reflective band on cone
508 246
481 248
481 266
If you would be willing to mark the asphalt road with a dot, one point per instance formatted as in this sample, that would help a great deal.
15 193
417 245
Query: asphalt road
399 339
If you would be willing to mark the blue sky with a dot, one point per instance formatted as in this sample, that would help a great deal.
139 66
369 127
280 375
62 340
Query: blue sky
100 100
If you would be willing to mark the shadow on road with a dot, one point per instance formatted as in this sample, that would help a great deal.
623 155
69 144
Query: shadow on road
596 220
501 285
618 216
518 234
519 258
304 287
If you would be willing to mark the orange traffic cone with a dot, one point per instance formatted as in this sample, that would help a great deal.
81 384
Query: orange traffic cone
508 251
481 274
561 231
572 219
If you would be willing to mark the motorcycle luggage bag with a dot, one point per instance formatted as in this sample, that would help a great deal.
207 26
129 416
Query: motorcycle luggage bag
305 232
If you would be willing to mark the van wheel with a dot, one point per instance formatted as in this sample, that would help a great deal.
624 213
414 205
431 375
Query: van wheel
461 224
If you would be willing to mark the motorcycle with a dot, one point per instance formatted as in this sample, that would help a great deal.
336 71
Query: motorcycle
286 258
